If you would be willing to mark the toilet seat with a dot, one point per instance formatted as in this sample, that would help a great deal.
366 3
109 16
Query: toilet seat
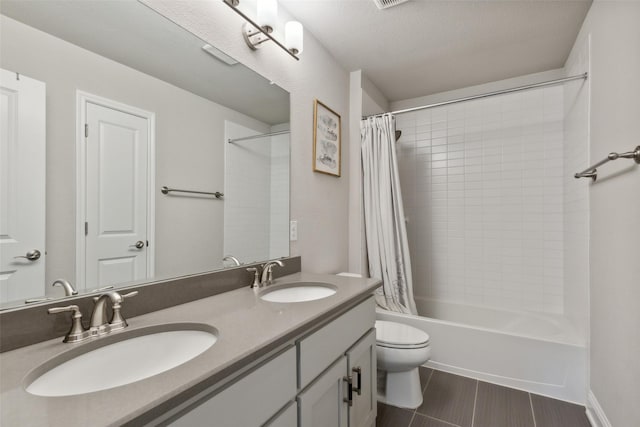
399 335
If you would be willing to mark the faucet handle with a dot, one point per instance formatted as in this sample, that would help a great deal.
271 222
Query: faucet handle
114 296
74 308
77 332
117 321
256 277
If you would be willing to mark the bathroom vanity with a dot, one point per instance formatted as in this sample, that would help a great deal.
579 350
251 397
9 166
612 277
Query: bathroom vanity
279 364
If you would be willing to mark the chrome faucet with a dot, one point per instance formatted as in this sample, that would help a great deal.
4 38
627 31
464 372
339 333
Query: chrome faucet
231 258
69 290
267 275
99 325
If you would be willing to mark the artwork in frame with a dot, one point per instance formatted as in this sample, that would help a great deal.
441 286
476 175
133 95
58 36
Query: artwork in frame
327 135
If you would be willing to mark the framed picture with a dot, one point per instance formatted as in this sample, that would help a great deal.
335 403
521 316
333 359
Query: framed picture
327 134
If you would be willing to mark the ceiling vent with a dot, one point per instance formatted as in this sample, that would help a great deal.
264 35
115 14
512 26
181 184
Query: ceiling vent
386 4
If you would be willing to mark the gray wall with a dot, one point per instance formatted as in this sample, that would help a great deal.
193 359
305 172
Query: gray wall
614 209
319 202
188 230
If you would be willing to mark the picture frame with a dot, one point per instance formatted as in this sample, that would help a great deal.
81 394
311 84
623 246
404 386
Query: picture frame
327 140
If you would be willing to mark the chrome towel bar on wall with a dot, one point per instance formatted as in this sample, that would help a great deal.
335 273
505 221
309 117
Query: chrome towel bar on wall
167 190
591 171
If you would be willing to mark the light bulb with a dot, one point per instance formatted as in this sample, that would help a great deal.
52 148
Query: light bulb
267 14
293 37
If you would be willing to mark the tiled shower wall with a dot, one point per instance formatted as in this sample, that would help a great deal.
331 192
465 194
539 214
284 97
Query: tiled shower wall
256 196
279 194
482 183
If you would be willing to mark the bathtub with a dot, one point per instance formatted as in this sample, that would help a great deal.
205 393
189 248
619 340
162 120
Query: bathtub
532 352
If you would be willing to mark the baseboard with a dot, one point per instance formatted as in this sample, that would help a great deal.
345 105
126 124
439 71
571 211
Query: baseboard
554 391
595 413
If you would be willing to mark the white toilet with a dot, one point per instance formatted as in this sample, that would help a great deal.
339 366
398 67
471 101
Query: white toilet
400 350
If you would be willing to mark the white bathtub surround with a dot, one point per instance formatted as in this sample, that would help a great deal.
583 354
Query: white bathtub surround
482 184
385 230
536 354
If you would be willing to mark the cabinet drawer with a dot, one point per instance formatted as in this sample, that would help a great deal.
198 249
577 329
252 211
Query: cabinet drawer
251 400
323 347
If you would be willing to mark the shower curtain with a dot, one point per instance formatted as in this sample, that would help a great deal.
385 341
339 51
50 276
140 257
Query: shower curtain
385 230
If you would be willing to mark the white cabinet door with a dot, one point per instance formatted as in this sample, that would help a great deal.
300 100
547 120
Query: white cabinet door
361 360
22 186
322 404
116 196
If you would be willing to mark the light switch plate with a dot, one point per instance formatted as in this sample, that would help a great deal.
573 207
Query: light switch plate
293 231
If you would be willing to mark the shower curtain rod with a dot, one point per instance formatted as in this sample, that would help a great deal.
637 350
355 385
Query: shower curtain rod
486 95
262 135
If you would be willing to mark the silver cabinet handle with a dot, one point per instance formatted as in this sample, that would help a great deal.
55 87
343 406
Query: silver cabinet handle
358 388
32 255
349 399
139 245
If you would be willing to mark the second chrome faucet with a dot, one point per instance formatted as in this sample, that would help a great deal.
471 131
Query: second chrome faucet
266 277
99 324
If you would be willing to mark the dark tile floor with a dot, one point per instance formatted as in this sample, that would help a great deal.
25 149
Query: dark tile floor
455 401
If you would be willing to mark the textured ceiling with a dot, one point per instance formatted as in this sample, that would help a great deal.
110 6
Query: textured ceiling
428 46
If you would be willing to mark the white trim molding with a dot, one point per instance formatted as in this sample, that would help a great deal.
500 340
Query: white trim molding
595 413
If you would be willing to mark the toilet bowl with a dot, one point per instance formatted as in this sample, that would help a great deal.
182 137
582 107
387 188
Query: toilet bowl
400 350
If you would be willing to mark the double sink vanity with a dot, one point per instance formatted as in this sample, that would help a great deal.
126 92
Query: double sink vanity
297 352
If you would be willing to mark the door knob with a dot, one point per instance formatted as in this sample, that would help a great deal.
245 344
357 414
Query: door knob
32 255
139 245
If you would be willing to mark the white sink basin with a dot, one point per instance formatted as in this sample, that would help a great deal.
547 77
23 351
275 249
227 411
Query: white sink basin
123 362
298 292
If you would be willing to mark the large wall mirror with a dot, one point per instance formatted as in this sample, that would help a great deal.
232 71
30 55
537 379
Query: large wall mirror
103 103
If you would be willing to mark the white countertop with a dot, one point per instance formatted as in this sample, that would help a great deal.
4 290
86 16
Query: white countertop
248 328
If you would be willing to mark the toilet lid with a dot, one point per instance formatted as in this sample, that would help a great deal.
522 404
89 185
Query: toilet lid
399 335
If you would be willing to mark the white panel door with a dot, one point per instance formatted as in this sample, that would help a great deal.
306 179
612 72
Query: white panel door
22 186
116 196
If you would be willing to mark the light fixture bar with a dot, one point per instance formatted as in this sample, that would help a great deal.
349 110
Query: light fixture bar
233 3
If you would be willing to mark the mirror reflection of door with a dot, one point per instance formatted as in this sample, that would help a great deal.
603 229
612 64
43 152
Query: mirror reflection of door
117 204
22 186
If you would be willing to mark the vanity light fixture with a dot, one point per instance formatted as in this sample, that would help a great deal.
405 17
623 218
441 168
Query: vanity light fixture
267 14
256 33
293 36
